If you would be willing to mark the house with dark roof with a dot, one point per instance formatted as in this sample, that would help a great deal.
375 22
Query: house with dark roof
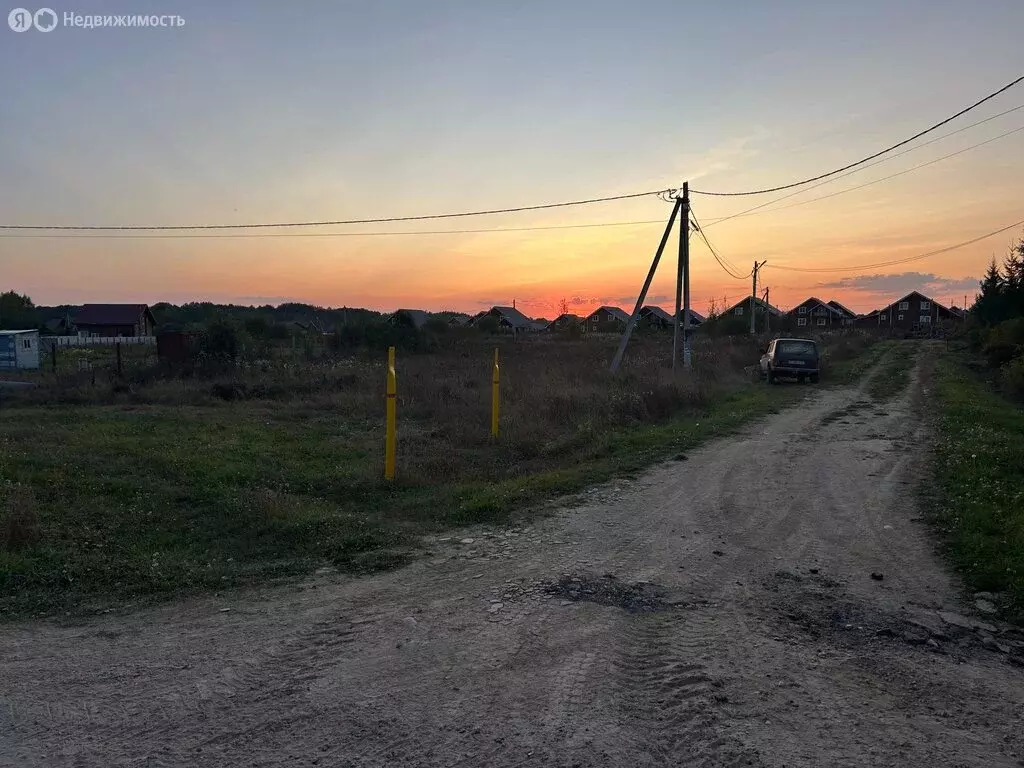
815 313
606 319
564 322
414 318
696 318
742 309
915 313
115 320
655 317
509 319
848 314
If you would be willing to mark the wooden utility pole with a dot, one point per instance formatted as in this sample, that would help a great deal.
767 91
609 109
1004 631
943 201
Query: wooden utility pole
753 297
767 314
647 284
683 282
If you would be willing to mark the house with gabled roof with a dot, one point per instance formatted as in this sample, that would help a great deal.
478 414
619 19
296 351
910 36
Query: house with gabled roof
606 319
815 313
414 318
847 313
915 313
696 318
115 320
655 317
564 322
742 309
509 319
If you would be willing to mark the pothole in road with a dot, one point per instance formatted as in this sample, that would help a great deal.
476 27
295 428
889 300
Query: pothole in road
820 609
638 597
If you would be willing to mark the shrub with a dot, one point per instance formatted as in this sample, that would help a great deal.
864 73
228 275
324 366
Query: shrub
1012 378
221 340
1004 342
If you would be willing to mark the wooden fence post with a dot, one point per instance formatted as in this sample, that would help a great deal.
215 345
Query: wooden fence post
495 395
390 437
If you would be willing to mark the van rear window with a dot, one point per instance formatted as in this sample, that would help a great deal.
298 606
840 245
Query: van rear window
796 348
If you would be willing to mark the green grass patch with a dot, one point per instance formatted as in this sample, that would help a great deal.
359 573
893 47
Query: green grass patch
105 503
896 360
849 369
979 482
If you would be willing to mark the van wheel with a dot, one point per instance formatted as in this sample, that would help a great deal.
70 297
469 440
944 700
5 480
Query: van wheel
814 378
771 377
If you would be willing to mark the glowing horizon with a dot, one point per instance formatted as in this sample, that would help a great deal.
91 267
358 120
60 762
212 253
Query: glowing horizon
375 112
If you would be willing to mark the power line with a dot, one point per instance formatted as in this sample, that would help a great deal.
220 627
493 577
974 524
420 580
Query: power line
750 211
906 260
84 236
729 269
381 220
883 178
820 176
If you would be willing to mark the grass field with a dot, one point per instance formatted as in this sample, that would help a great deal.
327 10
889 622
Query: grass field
171 486
979 481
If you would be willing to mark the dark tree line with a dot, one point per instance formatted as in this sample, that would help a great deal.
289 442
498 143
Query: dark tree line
999 312
1002 289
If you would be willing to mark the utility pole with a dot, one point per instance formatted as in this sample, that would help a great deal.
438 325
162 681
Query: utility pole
683 282
647 284
767 314
753 296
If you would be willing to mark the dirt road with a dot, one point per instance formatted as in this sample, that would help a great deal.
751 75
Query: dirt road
723 613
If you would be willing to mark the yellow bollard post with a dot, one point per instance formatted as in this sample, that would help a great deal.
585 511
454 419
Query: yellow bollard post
495 396
390 429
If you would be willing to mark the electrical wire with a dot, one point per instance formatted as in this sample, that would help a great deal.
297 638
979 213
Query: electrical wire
721 262
820 176
85 236
883 178
381 220
664 195
731 268
750 211
906 260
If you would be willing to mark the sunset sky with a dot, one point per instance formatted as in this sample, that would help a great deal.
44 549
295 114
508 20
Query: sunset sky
270 112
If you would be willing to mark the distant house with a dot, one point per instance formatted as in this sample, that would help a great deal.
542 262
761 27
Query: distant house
455 319
605 320
115 320
815 313
742 309
870 319
19 350
848 314
414 318
59 326
655 317
696 318
914 313
509 318
564 322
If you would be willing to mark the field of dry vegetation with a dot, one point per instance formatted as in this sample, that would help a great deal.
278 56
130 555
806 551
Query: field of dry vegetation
119 488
